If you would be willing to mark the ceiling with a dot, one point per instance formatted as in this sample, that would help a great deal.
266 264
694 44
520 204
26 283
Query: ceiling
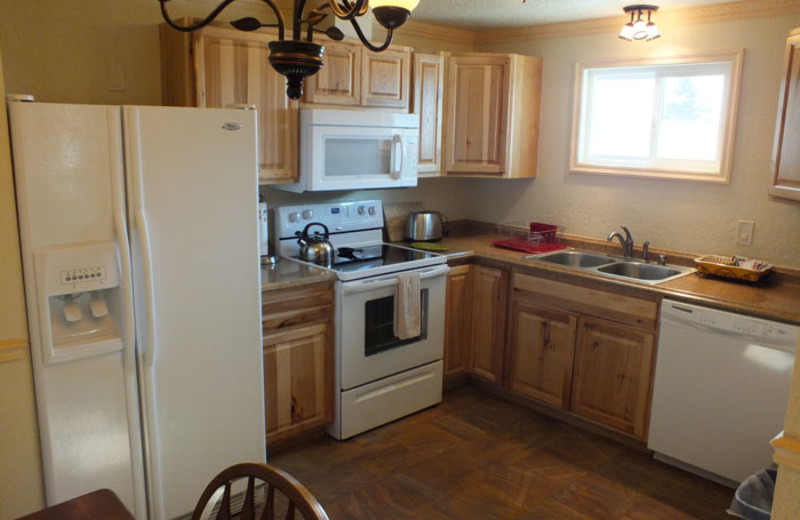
493 14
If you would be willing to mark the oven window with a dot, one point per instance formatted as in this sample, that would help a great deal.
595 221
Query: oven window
379 325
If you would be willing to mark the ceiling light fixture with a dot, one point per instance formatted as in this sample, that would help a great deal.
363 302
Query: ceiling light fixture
638 29
299 57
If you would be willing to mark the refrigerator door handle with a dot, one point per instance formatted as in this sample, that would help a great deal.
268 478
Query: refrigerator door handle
128 346
147 268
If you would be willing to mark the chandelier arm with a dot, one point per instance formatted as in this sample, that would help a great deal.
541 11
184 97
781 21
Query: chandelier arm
281 23
356 8
202 23
369 44
310 30
298 16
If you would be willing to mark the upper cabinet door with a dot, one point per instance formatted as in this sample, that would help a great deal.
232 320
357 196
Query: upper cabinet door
786 152
385 78
428 73
477 113
337 82
492 115
230 68
233 69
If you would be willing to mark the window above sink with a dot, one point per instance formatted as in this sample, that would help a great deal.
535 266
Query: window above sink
670 117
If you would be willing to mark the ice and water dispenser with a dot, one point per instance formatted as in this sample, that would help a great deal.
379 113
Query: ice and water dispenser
79 295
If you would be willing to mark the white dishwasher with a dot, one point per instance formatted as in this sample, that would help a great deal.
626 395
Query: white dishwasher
721 389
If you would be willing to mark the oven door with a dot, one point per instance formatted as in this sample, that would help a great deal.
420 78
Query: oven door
368 348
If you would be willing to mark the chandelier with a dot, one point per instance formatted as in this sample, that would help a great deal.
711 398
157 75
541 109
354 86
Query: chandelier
639 29
299 57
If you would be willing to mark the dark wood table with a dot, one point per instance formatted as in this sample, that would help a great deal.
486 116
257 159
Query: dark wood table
102 504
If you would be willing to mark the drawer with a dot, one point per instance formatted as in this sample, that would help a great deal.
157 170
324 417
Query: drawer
291 307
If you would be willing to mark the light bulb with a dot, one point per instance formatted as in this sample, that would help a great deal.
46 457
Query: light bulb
408 5
652 31
639 30
627 32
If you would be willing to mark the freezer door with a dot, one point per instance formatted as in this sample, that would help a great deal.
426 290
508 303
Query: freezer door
193 210
69 177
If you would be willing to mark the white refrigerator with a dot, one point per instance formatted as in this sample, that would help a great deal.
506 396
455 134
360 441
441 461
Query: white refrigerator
142 280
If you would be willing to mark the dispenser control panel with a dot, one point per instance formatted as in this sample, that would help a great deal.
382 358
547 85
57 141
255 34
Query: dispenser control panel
72 269
86 274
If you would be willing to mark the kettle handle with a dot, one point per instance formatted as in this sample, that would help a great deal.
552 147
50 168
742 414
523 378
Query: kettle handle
325 236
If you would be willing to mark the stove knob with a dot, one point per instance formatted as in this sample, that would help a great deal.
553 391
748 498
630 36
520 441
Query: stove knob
372 211
294 216
361 210
307 214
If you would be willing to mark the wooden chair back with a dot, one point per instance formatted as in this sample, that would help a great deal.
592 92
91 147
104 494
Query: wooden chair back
292 495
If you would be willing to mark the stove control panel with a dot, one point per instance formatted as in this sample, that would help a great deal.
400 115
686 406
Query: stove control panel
339 217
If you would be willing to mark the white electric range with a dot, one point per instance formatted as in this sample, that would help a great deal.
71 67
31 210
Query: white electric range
379 377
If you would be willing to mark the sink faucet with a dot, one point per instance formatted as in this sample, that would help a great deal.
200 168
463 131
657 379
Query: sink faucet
625 241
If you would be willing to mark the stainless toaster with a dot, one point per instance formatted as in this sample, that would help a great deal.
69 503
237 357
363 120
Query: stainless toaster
425 226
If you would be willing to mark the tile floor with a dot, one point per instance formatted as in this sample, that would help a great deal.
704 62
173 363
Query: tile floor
476 456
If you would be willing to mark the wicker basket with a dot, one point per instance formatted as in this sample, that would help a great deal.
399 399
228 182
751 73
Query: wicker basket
733 267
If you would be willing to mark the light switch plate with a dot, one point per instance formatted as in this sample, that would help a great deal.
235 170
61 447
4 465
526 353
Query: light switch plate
744 232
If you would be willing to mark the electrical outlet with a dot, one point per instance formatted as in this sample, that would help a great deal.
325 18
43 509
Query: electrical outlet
744 232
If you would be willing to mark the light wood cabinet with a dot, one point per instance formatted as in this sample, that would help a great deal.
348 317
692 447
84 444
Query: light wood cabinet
492 115
489 293
338 82
786 151
298 360
219 67
428 78
612 375
541 354
458 317
585 350
355 76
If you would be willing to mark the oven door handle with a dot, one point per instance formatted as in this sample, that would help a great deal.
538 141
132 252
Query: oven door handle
390 280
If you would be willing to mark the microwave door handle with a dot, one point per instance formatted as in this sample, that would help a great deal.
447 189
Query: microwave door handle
398 151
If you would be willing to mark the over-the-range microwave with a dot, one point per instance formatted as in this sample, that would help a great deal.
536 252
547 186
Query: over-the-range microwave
356 150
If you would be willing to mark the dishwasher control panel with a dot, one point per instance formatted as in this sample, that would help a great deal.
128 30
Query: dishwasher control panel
726 322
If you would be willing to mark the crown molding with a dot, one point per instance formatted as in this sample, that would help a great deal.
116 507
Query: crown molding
700 14
437 32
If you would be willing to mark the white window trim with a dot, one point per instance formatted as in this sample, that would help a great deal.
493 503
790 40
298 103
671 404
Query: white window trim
735 57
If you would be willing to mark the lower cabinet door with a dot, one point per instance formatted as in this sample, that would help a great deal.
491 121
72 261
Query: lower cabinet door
542 353
613 364
298 380
489 291
458 315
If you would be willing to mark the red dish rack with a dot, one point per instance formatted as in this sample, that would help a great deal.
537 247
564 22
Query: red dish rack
541 238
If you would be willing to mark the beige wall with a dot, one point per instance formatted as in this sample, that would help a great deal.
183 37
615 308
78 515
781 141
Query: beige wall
670 214
20 468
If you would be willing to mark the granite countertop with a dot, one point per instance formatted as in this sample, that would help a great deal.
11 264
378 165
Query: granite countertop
778 298
286 274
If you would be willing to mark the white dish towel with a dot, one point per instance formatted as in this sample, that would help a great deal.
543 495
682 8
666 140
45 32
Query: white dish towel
407 306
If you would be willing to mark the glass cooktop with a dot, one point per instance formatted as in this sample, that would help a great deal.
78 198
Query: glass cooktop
356 259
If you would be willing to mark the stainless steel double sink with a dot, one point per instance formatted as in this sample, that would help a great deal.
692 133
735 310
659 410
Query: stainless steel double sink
612 266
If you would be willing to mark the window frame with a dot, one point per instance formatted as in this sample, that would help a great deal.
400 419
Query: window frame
727 125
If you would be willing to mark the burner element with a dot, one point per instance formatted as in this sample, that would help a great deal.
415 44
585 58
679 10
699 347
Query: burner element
349 253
